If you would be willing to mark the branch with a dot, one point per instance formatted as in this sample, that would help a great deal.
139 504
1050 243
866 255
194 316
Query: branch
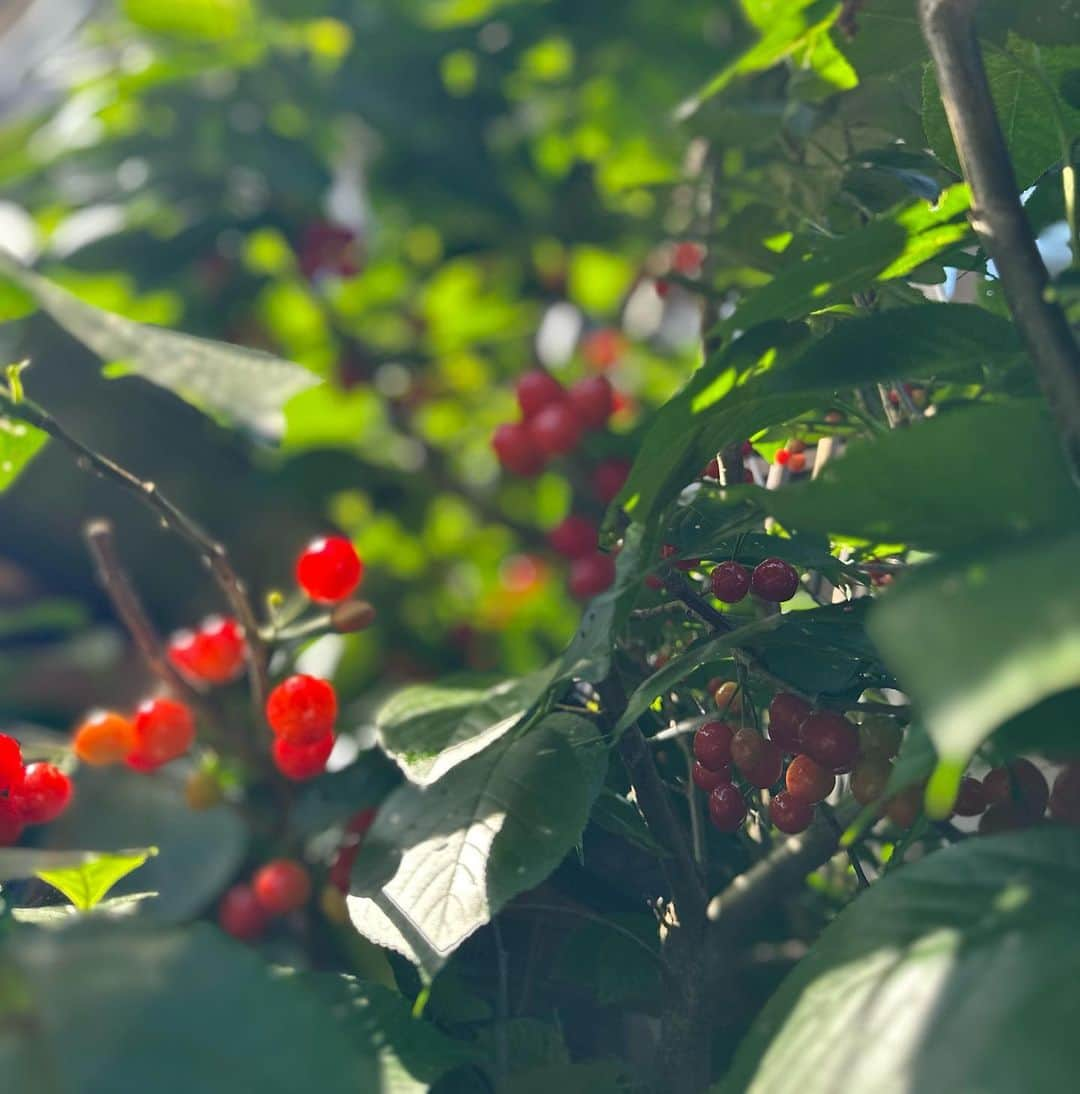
213 553
997 215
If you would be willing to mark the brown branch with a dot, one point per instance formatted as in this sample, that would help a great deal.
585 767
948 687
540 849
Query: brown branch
213 553
997 215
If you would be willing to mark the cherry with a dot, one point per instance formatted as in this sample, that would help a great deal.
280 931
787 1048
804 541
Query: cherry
730 582
240 913
213 654
831 740
1019 783
970 798
537 389
302 709
591 575
727 697
164 730
143 764
652 581
869 779
766 770
1065 795
790 813
707 778
787 713
783 457
328 248
881 735
302 761
11 823
797 463
904 808
360 822
45 793
808 780
727 810
795 446
711 469
712 745
686 258
329 569
594 401
341 868
747 747
1003 817
774 580
575 537
603 348
281 886
556 429
11 764
104 738
608 478
516 451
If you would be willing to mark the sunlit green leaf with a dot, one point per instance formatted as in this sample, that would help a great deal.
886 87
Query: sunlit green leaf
89 882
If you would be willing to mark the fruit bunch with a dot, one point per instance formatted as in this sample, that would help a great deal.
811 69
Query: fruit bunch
772 580
278 888
29 793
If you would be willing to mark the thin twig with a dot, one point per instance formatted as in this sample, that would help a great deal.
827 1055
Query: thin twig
212 552
853 857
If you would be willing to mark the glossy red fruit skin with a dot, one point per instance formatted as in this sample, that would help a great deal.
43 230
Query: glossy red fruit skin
1003 817
12 769
241 915
555 430
574 537
727 809
808 780
787 713
45 793
708 779
515 450
730 582
302 709
747 747
1020 784
537 389
774 580
302 761
281 886
164 730
783 457
212 654
970 798
766 770
831 740
797 462
591 575
329 569
594 401
790 813
1065 795
11 823
608 478
712 745
144 765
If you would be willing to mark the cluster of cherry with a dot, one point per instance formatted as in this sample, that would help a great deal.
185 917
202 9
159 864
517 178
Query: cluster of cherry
29 793
160 731
278 888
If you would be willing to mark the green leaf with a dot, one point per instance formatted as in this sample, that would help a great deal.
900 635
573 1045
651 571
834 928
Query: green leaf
584 1077
1037 122
597 279
100 1008
19 444
610 961
15 301
25 862
431 728
241 385
62 915
979 642
90 881
620 817
201 20
950 974
332 799
441 860
43 616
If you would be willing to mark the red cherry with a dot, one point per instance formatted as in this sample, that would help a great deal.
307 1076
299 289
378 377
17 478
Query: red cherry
164 730
686 258
45 793
774 580
608 478
790 813
11 764
727 810
808 780
1003 817
241 915
302 709
303 761
145 765
1020 784
328 249
783 457
281 886
797 462
747 748
537 389
706 778
341 868
712 745
603 348
654 582
766 770
213 654
360 822
329 569
787 713
730 582
516 451
970 798
831 740
591 575
869 779
594 400
1065 796
11 823
575 537
556 429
